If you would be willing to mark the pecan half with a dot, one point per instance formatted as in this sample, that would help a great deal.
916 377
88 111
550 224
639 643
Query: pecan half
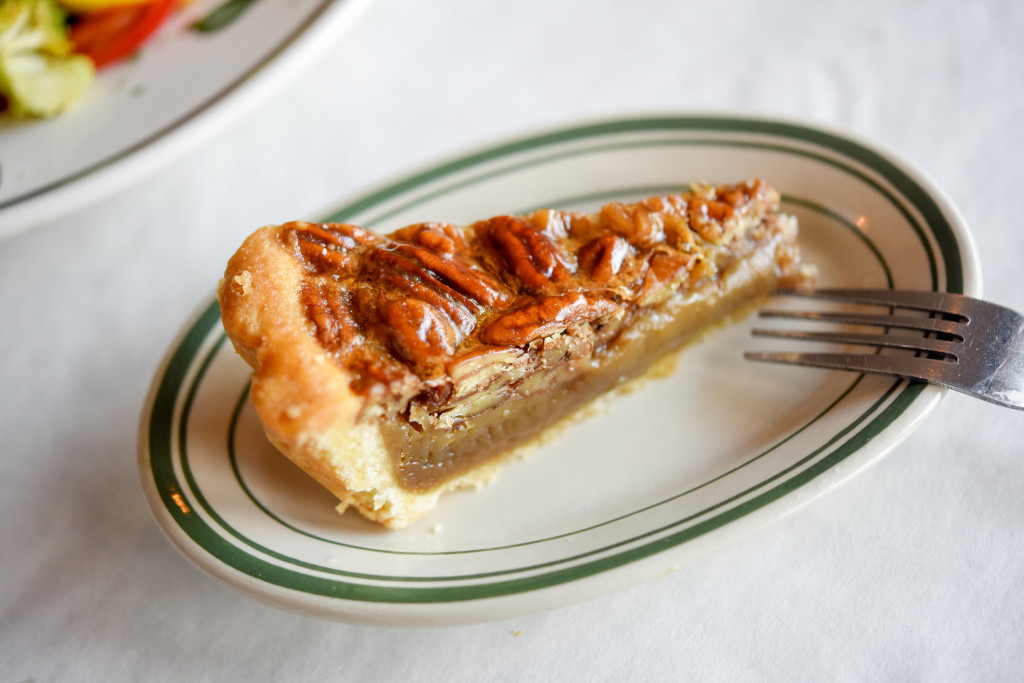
328 247
666 270
419 332
440 238
458 274
602 257
553 223
327 308
753 195
530 254
546 316
708 218
637 225
673 211
407 276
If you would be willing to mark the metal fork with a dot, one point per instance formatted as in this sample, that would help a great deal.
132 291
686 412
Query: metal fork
968 345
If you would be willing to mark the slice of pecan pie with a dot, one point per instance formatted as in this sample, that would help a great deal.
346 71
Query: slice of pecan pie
395 368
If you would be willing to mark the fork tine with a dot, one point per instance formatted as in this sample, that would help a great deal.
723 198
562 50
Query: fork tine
915 343
896 366
940 302
903 322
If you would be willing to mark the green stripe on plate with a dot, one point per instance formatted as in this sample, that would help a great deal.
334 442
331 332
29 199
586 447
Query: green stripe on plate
647 190
264 563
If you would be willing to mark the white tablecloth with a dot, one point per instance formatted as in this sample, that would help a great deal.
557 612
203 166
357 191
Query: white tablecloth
913 570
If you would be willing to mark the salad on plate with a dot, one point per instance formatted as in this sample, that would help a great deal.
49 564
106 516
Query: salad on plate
50 50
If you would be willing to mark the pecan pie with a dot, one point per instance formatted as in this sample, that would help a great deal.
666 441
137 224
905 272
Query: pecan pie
395 368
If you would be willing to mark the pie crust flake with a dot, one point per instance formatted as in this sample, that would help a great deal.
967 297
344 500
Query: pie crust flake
394 368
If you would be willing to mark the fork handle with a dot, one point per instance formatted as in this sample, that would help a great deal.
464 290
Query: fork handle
1004 382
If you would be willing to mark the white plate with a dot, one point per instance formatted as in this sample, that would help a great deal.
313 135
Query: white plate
667 473
181 88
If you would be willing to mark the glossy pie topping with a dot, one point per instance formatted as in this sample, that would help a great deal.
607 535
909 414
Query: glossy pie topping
414 312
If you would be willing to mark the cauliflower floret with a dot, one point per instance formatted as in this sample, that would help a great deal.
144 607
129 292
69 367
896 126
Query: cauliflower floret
39 73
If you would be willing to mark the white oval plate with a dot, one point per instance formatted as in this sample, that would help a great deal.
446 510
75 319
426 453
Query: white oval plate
674 470
181 88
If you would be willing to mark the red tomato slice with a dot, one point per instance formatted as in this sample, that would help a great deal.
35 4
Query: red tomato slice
110 35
